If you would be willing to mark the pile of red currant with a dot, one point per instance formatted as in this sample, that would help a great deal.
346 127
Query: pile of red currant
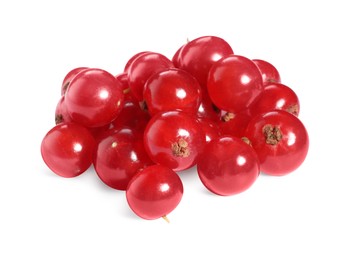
225 114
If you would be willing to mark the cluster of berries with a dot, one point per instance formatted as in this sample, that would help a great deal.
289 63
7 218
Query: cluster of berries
206 107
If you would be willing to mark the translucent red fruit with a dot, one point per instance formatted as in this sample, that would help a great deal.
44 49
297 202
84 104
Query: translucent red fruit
234 82
67 149
172 89
268 71
210 129
280 140
276 96
61 114
176 57
207 109
70 75
118 157
123 82
228 166
198 55
154 192
174 139
234 123
94 98
144 66
132 116
130 61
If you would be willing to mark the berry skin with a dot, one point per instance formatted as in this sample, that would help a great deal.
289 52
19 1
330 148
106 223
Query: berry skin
207 109
144 66
118 157
210 128
61 114
68 78
172 89
94 98
280 140
198 55
130 61
269 73
234 123
228 166
67 149
276 96
174 139
176 57
154 192
234 82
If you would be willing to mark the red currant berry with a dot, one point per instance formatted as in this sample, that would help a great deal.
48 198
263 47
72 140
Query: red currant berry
67 149
268 71
176 57
130 61
123 82
198 55
228 166
234 123
119 155
210 129
61 114
70 75
172 89
234 82
144 66
276 96
154 192
207 109
280 140
94 98
174 139
132 116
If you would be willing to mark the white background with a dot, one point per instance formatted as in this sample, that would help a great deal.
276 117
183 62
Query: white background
309 214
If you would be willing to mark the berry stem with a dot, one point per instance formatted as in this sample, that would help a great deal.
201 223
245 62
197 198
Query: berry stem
165 218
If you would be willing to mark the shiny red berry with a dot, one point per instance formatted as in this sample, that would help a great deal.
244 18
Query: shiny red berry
67 149
154 192
174 139
94 98
228 166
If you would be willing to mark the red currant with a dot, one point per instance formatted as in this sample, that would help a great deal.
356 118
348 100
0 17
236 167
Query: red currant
234 123
210 129
144 66
174 139
268 71
119 155
207 109
172 89
280 140
198 55
154 192
67 149
132 116
234 82
94 98
228 166
276 96
176 57
130 61
61 114
70 75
